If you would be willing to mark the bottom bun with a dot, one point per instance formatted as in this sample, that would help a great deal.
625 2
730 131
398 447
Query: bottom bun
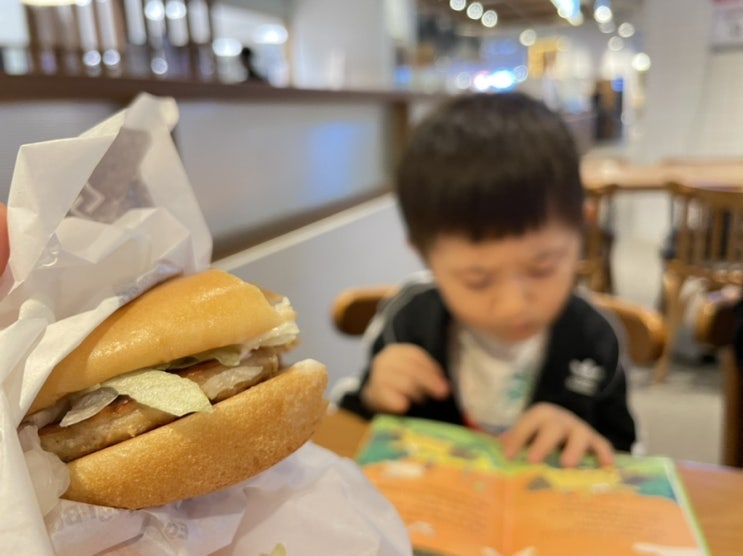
204 452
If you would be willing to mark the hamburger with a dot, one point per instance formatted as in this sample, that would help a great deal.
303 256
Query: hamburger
179 393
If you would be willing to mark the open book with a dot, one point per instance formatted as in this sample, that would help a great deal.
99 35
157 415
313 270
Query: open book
459 495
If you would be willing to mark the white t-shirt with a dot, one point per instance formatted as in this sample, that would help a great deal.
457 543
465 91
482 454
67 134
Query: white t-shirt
493 380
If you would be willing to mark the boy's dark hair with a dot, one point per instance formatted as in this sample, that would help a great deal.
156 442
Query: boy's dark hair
488 166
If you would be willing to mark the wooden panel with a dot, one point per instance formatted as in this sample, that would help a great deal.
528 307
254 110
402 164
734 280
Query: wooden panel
123 89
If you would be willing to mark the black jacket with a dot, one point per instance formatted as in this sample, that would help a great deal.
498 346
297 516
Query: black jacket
581 333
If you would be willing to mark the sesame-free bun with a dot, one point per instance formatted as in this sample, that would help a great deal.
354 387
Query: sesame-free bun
204 452
180 317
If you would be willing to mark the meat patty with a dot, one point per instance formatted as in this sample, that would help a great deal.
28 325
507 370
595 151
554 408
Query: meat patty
125 418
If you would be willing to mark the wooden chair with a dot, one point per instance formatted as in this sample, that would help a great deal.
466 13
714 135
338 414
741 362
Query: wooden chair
715 325
707 244
594 269
353 309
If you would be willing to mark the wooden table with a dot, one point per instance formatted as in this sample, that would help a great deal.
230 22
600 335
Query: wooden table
624 176
598 173
715 492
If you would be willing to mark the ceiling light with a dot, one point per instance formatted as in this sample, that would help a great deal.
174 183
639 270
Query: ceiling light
641 62
528 37
457 5
490 18
502 80
602 11
270 33
567 8
626 30
92 58
481 81
154 10
576 20
474 10
602 14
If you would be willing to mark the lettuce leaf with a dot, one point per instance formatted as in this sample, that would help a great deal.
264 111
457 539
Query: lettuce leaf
161 390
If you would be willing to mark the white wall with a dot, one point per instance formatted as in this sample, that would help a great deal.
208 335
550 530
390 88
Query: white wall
362 246
254 163
341 44
677 34
718 128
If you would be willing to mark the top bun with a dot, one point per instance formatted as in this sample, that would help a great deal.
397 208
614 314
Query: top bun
180 317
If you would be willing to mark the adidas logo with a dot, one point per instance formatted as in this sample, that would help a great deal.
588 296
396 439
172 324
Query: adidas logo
585 377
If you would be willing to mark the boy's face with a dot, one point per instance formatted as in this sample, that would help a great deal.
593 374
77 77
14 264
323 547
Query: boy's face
510 288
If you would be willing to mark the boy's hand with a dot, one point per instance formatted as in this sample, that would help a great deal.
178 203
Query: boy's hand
403 374
546 427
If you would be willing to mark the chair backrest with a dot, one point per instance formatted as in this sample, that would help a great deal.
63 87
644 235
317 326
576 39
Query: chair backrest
594 268
702 161
645 329
354 308
708 242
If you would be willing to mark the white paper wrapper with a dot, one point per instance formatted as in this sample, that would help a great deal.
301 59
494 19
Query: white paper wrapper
313 502
94 221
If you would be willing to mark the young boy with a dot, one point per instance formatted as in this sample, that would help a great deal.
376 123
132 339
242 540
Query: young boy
490 192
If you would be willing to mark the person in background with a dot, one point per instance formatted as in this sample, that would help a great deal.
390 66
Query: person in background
246 58
495 337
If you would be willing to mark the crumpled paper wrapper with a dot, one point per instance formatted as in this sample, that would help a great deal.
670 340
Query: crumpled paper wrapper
313 502
93 222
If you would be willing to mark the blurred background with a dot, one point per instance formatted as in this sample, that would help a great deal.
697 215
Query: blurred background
293 114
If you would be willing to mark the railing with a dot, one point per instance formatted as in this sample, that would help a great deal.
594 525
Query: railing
130 38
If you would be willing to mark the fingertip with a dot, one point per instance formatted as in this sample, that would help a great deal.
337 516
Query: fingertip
605 453
400 405
607 460
509 451
568 460
443 391
535 456
437 389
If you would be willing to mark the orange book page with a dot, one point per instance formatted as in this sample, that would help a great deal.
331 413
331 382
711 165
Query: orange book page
441 479
611 512
446 510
